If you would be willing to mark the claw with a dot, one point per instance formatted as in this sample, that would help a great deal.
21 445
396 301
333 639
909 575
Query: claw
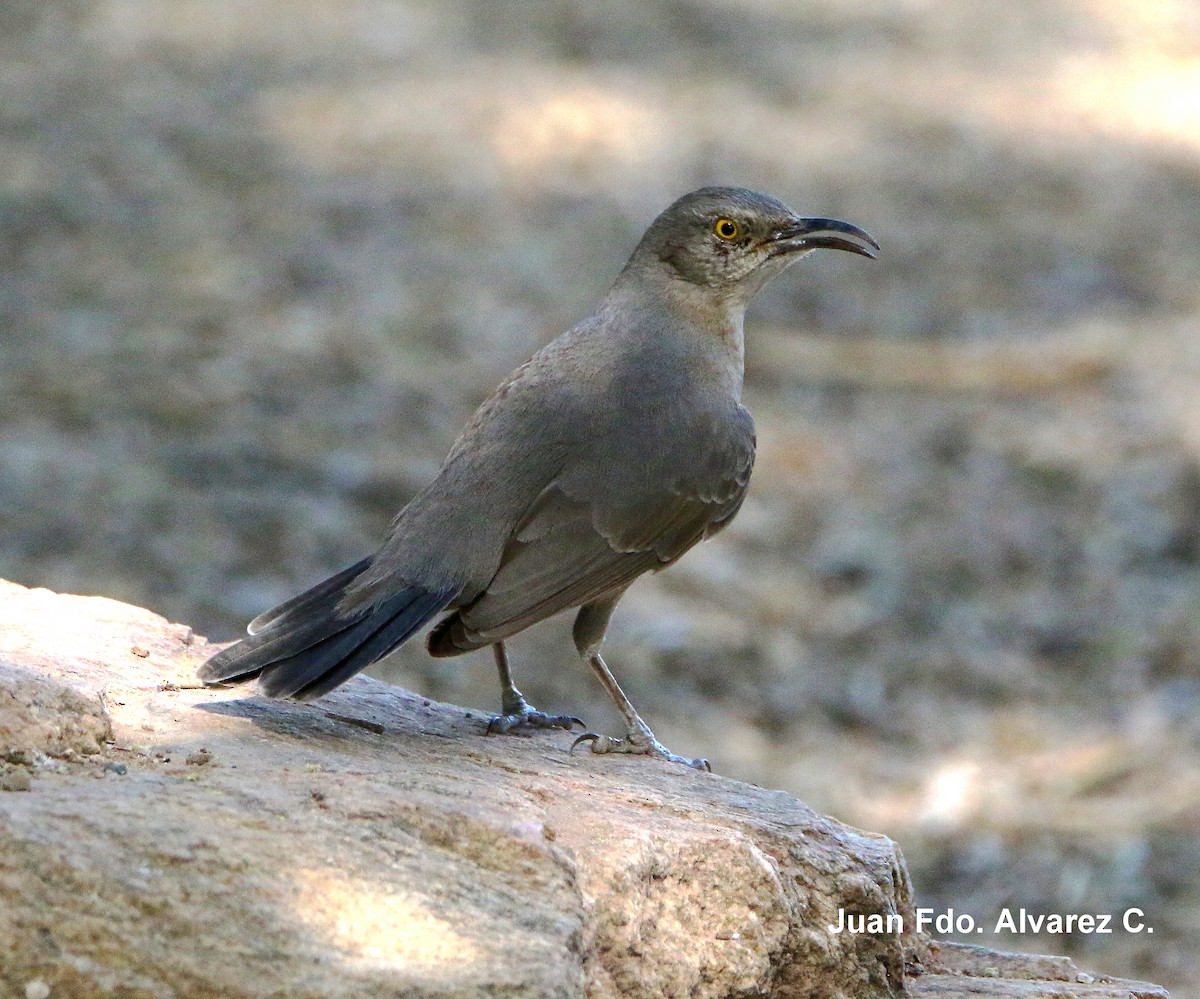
591 737
529 718
638 747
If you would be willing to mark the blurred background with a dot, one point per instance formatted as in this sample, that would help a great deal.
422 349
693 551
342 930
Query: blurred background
259 261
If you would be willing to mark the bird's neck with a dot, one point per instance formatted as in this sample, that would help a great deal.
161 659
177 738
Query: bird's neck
709 327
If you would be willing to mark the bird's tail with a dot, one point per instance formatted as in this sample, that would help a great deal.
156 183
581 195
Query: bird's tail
305 647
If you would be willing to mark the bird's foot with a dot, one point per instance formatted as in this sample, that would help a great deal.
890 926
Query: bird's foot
525 716
638 744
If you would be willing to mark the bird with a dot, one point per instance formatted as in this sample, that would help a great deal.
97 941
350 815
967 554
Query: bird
608 454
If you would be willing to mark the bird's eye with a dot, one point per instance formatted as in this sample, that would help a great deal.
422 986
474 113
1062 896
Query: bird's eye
726 229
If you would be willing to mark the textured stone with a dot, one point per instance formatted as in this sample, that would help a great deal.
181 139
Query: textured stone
187 842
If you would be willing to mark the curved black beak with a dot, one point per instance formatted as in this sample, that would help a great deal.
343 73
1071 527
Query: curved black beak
823 234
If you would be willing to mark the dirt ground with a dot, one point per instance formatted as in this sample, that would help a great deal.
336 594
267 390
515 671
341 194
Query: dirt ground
259 261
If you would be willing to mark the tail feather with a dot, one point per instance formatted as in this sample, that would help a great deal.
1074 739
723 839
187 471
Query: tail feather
299 605
248 658
304 648
306 679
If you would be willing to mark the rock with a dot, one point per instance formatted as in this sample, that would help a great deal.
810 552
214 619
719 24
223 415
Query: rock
187 842
42 717
955 971
15 779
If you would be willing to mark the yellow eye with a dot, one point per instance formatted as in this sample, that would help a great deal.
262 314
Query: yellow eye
726 229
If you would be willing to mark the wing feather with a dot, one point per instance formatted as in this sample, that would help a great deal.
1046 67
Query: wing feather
578 543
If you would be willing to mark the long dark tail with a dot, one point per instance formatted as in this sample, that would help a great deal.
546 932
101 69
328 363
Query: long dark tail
304 647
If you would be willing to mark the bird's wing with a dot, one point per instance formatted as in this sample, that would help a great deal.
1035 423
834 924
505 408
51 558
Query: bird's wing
571 548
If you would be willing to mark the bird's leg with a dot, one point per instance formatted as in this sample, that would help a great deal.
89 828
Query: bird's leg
638 739
590 625
518 712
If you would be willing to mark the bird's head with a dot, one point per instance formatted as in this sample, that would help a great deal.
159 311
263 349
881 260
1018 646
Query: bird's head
733 241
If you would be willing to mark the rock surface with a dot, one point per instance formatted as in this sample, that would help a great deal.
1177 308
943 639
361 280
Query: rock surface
158 840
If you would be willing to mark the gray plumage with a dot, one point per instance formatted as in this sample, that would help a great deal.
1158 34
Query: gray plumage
608 454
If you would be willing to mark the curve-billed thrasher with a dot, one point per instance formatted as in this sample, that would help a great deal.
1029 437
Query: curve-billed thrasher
608 454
